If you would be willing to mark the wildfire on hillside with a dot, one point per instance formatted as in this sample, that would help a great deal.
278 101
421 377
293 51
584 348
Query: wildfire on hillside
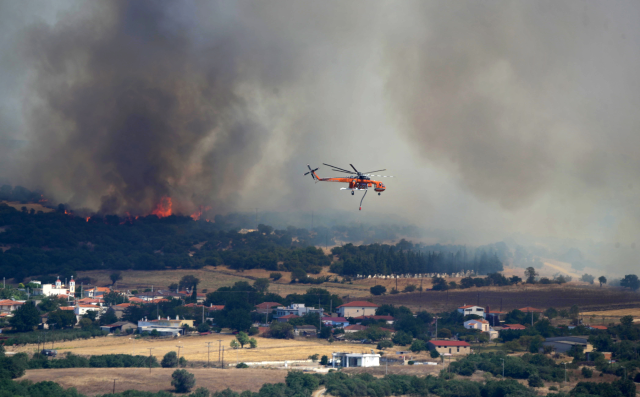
198 214
163 209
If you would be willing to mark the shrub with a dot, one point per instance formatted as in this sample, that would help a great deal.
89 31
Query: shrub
402 338
410 363
378 290
410 288
324 360
383 344
314 357
535 381
170 360
588 372
183 381
418 345
242 365
434 353
253 343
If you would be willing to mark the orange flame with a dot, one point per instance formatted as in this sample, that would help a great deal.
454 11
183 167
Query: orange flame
163 209
196 215
87 219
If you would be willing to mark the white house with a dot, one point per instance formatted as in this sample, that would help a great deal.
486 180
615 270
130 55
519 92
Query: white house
346 360
469 309
57 289
482 325
80 310
299 309
357 309
8 305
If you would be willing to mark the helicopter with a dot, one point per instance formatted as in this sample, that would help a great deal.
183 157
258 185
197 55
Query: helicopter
357 181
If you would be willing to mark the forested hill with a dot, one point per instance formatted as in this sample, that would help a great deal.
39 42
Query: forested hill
56 243
406 257
37 244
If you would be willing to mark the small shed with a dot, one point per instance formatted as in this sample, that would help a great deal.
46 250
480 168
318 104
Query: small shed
122 326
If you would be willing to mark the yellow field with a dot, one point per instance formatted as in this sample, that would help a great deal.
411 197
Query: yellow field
212 278
34 206
194 348
635 312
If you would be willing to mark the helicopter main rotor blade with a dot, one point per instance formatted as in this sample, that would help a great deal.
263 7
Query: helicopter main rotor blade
337 168
383 176
368 172
358 172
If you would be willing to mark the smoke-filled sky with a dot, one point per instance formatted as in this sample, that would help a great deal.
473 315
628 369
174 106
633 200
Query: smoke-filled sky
498 117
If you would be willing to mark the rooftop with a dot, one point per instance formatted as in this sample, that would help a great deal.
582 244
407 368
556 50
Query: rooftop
448 343
358 304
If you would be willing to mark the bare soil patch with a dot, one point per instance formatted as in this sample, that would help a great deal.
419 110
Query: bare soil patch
93 381
587 298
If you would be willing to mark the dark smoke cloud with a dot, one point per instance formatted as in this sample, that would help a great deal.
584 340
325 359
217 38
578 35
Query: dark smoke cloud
135 101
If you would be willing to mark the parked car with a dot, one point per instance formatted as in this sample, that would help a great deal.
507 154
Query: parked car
49 352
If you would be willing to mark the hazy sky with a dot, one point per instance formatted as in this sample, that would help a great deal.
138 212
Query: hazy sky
497 117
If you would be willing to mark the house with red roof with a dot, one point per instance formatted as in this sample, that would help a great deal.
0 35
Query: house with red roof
8 305
388 319
285 319
267 307
470 309
482 325
354 328
598 327
339 322
450 347
357 309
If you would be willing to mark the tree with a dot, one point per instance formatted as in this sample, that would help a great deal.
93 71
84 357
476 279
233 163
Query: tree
417 346
444 333
253 343
261 285
402 338
115 277
314 357
535 381
378 290
183 381
170 360
530 275
574 312
114 298
434 353
49 303
587 278
242 338
25 317
234 344
188 281
515 280
280 330
384 344
298 274
551 313
410 288
602 280
109 317
275 276
626 321
324 360
587 372
630 281
62 319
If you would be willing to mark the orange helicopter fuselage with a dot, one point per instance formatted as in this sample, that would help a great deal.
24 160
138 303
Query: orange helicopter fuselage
355 183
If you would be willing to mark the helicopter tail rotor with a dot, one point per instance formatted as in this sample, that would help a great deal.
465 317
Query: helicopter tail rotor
312 172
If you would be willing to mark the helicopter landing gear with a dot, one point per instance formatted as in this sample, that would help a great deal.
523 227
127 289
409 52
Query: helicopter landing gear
378 194
352 192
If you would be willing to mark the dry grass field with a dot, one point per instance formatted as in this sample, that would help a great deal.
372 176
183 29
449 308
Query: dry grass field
587 298
34 206
635 312
92 381
212 278
194 348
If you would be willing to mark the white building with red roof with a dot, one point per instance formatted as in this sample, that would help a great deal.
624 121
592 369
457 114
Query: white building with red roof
482 325
357 309
8 305
470 309
450 347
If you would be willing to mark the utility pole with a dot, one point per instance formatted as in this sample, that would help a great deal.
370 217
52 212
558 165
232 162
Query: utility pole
222 357
202 309
565 372
502 367
219 350
150 348
179 347
114 386
256 219
436 336
209 354
532 318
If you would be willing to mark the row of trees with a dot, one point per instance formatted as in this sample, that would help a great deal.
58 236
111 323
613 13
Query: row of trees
406 257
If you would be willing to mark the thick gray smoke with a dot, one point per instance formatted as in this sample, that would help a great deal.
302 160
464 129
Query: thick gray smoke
496 116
